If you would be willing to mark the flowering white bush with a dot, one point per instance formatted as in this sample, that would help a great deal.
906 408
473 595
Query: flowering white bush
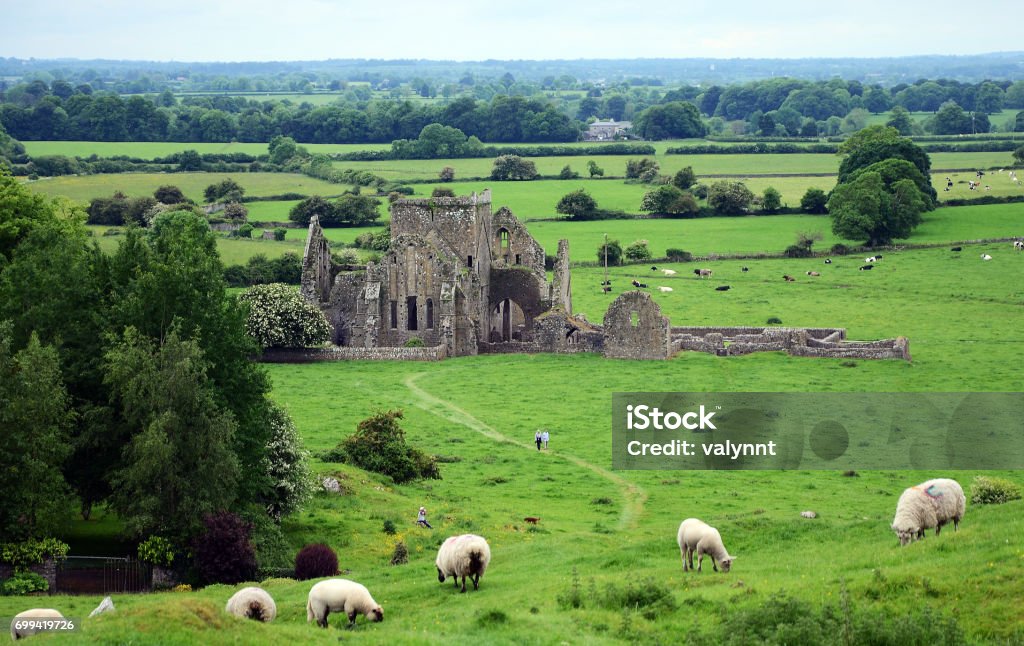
280 318
287 466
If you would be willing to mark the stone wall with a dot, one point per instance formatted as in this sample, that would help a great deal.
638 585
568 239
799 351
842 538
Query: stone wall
803 342
316 265
335 353
47 569
561 283
634 328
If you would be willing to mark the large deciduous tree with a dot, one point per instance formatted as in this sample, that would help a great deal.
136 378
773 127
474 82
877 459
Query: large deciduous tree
578 205
878 143
674 120
866 209
729 198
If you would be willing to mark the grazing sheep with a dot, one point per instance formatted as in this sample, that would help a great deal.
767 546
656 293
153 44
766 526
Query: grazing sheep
697 536
957 249
465 555
669 272
252 603
930 504
867 268
788 278
985 256
341 595
703 273
722 288
34 613
664 289
813 273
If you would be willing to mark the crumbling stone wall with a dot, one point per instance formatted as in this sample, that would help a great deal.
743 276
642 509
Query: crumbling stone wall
561 283
335 353
316 265
634 328
512 245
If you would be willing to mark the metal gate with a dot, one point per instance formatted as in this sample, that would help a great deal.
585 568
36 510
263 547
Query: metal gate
102 575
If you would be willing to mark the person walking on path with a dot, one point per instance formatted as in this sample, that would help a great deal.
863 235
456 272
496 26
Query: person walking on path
537 438
422 518
544 438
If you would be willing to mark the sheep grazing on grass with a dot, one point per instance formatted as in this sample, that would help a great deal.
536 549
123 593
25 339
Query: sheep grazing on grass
465 555
697 536
252 603
930 504
35 613
985 256
664 289
813 273
341 595
669 272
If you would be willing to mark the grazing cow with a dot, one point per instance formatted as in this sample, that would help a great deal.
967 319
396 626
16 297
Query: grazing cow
828 261
985 256
871 259
664 289
644 285
957 249
867 267
1018 245
722 288
606 283
654 269
788 278
533 520
703 273
669 272
606 289
745 269
878 256
813 273
636 283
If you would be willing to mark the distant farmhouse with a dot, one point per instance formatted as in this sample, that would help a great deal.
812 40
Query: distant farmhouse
460 280
607 130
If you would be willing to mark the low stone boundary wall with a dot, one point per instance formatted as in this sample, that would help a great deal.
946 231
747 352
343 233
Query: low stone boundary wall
336 353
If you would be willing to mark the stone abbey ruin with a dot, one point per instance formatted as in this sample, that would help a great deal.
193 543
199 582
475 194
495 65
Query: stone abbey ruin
460 280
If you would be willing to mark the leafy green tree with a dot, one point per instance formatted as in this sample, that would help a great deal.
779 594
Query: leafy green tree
235 211
771 200
594 169
638 251
1018 156
179 464
447 174
684 178
287 466
673 120
168 194
878 143
442 191
20 212
304 211
354 210
894 170
612 251
513 167
989 98
568 173
863 209
279 317
35 416
227 190
282 149
729 198
901 121
636 168
578 205
189 160
670 200
814 201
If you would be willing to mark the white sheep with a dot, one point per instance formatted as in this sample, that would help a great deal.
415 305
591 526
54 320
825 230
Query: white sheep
664 289
341 595
252 603
697 536
465 555
34 613
930 504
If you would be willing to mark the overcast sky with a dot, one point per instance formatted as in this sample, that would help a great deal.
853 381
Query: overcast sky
259 30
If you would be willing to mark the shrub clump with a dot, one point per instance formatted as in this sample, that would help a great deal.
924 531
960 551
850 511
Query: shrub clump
24 582
401 554
986 490
224 552
315 561
379 445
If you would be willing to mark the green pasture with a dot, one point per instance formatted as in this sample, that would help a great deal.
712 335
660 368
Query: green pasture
607 528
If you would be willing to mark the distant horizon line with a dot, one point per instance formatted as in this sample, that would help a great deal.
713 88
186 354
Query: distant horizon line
511 60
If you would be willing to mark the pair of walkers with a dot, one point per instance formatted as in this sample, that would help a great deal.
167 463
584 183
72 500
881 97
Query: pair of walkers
541 438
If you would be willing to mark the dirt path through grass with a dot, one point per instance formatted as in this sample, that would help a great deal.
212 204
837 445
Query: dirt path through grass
633 495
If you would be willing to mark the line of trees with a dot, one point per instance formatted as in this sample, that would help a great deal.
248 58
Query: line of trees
132 372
